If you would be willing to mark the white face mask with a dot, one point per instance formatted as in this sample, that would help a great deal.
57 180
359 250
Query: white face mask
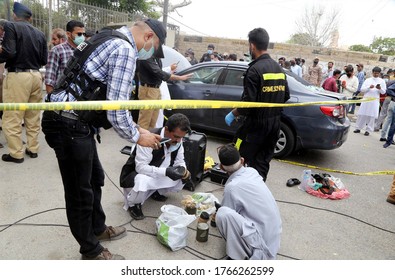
79 39
172 148
143 54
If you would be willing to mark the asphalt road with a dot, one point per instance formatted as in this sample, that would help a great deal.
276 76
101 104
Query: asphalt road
33 224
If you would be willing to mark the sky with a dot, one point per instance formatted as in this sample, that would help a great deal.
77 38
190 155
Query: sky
359 21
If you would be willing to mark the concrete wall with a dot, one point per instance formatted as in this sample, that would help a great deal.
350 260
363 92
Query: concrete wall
277 50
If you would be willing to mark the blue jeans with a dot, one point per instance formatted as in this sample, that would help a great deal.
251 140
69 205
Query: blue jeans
82 175
351 107
388 120
391 131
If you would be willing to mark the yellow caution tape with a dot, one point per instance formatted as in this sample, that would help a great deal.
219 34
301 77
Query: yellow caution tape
159 104
374 173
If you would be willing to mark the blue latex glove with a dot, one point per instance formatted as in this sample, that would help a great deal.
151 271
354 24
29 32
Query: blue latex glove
229 118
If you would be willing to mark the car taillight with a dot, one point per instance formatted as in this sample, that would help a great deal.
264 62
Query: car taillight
333 111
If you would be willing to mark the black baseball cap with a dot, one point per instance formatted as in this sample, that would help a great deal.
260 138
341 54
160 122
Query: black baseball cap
160 31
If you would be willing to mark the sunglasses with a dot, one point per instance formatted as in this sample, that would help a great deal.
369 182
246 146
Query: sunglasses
81 33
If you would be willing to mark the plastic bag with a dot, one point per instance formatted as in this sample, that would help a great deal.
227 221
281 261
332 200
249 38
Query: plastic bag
307 181
323 185
172 225
203 201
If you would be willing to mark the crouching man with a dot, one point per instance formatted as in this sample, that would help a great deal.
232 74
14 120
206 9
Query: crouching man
153 173
249 218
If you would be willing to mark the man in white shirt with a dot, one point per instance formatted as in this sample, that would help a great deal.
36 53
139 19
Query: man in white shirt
349 83
327 72
249 218
296 68
153 173
369 111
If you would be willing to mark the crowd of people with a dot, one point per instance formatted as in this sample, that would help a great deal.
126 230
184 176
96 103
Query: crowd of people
210 55
128 60
353 83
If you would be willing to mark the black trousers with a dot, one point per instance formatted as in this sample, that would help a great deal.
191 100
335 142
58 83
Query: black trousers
259 142
82 175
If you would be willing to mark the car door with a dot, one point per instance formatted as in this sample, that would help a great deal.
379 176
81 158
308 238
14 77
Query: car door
201 86
230 88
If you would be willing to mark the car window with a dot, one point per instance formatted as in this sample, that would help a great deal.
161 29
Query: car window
234 78
298 84
206 75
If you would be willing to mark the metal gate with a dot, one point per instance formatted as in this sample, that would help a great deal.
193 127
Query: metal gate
50 14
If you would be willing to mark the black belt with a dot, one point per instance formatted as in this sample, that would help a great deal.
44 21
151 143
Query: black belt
151 86
16 70
67 115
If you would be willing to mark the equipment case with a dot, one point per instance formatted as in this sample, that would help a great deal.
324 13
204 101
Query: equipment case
218 175
195 145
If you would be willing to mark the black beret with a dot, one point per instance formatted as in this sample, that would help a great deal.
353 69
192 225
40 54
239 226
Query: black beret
21 10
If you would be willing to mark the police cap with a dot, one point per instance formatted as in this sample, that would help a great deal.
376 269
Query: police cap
21 10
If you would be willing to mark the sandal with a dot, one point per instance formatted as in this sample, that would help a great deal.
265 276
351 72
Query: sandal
292 182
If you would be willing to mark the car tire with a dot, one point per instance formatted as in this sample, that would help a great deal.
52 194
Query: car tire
286 142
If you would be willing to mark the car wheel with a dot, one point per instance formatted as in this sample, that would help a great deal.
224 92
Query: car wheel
286 142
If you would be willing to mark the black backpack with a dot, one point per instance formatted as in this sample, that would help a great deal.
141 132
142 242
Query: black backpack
73 75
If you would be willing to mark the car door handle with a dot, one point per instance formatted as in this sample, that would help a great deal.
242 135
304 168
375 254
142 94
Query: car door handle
207 92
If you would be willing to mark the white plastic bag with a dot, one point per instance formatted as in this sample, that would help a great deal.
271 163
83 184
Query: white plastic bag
172 225
307 181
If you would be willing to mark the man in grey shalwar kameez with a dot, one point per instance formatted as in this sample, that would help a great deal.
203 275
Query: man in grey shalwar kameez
249 218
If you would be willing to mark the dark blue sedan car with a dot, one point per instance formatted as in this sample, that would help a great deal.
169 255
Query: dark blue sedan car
307 127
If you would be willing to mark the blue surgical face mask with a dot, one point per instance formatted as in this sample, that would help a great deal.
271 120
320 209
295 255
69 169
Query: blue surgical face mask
172 148
79 39
143 54
209 51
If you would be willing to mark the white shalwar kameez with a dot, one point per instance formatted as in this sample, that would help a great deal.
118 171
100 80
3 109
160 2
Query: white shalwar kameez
249 218
150 178
369 111
165 95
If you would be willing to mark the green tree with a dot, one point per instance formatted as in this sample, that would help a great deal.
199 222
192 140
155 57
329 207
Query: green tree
140 7
132 7
360 48
384 46
300 39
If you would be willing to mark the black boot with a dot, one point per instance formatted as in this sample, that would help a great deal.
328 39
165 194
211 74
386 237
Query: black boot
136 212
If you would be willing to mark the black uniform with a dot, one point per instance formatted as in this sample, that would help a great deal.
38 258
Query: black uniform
24 47
265 81
151 73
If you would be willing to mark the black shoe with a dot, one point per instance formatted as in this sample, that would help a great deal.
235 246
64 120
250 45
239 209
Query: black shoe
366 133
383 139
136 212
386 145
7 157
31 154
357 131
158 197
